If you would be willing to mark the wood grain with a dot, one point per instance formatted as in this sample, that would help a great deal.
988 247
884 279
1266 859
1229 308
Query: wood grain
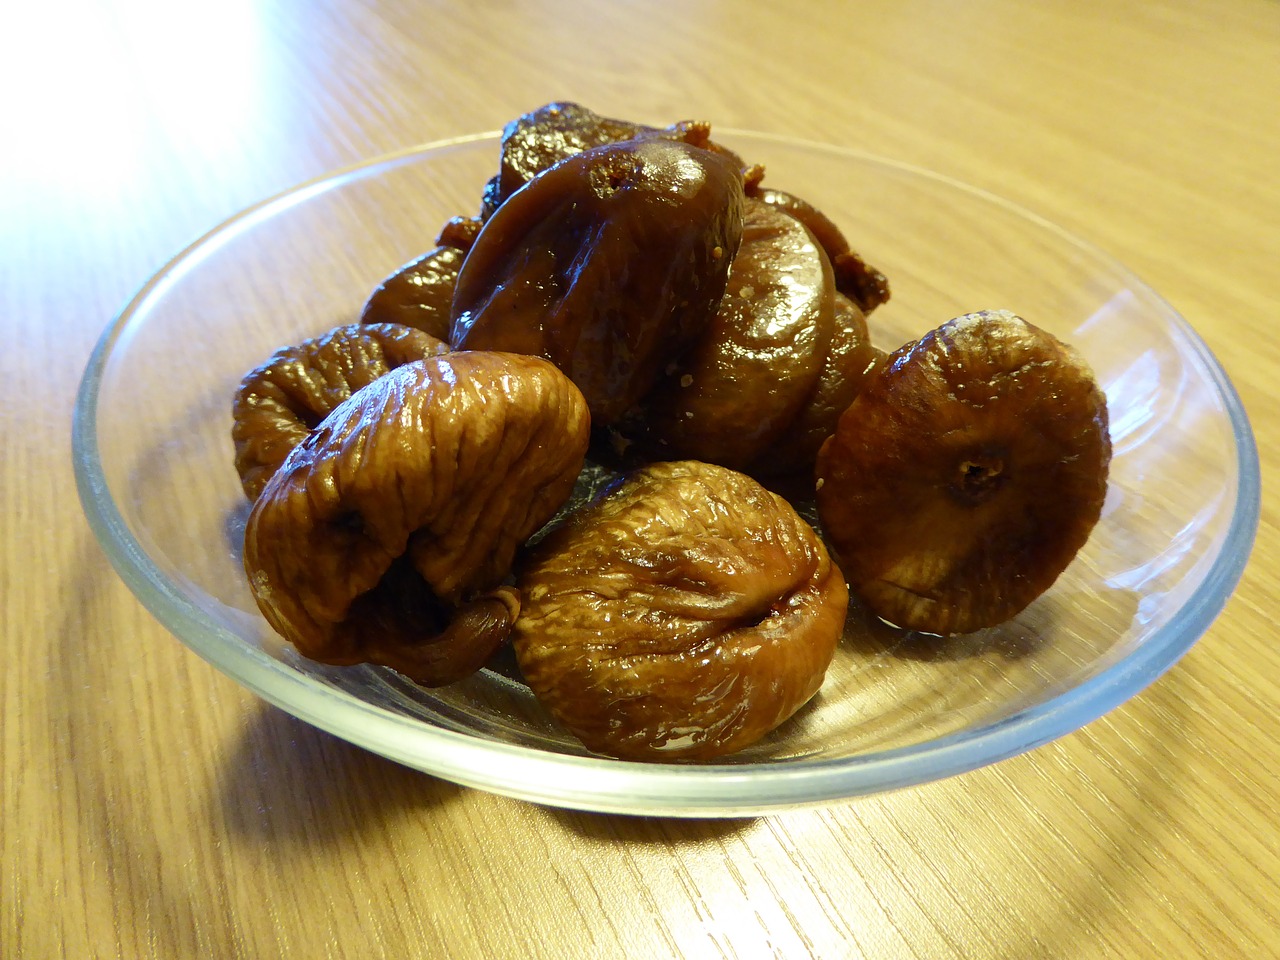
151 808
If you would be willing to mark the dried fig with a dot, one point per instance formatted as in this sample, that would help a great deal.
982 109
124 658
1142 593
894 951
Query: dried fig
610 263
278 403
966 474
459 232
386 535
680 616
850 359
854 277
420 293
739 388
541 138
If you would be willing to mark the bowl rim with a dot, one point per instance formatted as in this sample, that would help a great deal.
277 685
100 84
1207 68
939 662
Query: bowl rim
601 784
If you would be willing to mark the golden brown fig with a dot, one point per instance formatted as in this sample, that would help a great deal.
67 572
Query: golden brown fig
420 293
681 616
279 403
609 264
740 386
386 535
966 474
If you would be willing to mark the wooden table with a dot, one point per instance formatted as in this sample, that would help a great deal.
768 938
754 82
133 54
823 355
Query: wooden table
152 808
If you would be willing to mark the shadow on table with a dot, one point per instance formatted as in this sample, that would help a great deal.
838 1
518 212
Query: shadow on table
650 831
289 782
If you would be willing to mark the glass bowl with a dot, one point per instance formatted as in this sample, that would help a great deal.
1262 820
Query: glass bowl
153 459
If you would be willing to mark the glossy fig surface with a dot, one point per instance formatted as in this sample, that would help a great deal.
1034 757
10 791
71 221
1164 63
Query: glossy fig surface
278 403
850 360
420 293
854 277
386 535
682 615
966 474
537 140
746 379
609 264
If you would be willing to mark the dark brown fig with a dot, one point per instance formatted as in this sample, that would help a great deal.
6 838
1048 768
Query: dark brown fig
680 616
740 386
459 232
541 138
851 358
420 293
966 474
386 536
278 403
610 264
855 278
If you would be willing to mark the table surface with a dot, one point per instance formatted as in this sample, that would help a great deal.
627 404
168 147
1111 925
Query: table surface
153 808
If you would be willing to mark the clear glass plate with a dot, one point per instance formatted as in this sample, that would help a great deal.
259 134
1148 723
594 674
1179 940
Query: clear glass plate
154 464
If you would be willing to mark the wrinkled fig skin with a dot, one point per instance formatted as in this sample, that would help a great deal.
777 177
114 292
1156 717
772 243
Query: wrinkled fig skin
739 388
420 293
681 616
609 264
855 278
386 535
539 139
966 474
279 403
850 359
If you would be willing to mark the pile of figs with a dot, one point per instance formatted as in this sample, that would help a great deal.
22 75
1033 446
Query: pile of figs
636 299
